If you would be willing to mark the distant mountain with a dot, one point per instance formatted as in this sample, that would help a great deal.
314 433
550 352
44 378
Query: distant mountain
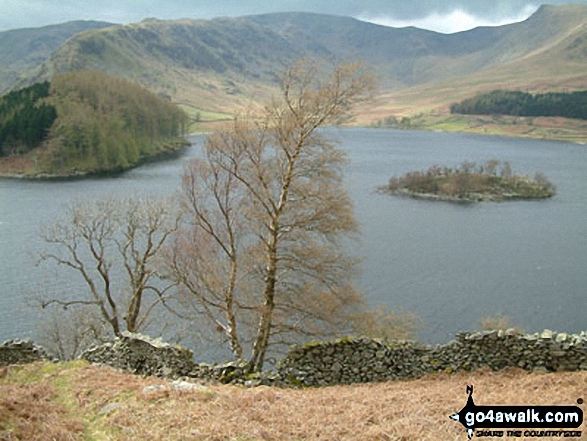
546 53
25 49
225 63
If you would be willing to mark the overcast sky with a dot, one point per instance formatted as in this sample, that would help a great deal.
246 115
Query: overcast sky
440 15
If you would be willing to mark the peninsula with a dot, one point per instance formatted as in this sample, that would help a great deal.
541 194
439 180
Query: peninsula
85 123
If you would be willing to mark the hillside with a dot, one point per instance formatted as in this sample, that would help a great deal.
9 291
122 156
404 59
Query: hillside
76 401
84 123
546 53
221 66
25 49
229 62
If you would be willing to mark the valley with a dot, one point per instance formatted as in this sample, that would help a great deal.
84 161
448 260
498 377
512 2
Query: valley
223 66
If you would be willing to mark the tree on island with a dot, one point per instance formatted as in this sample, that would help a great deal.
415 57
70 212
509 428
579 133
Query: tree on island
471 182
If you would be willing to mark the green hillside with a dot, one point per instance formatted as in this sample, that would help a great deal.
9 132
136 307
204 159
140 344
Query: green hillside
25 49
220 62
84 122
538 60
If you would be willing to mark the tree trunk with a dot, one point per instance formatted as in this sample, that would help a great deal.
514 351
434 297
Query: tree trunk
234 342
263 330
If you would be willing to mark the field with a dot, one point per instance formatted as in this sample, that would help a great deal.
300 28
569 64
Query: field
556 129
75 401
201 120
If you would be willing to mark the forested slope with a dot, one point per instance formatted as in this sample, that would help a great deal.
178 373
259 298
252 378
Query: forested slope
504 102
24 119
86 122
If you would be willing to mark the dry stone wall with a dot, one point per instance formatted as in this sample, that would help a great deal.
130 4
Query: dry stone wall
20 352
358 360
343 361
142 355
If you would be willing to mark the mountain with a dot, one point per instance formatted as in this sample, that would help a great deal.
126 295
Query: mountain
223 64
25 49
546 53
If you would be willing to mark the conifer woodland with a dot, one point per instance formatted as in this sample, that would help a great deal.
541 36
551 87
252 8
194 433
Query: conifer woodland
504 102
24 119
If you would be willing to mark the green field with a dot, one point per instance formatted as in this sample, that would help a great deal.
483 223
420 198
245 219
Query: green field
198 117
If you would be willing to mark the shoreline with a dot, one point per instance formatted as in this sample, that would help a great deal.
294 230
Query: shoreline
540 128
473 198
167 151
574 137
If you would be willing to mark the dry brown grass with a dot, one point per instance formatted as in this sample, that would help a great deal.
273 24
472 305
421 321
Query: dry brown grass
30 412
415 410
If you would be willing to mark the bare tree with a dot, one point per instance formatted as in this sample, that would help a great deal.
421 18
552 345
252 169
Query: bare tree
66 333
386 324
270 218
113 245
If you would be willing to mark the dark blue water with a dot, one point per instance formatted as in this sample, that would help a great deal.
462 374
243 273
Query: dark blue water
450 264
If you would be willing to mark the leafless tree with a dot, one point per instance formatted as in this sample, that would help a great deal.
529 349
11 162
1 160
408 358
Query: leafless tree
113 246
66 333
386 324
265 256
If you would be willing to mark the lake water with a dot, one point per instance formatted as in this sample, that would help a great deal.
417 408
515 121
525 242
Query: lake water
450 264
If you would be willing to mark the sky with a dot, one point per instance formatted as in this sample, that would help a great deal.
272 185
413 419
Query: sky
446 16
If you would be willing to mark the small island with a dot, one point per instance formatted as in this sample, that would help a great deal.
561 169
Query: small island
471 182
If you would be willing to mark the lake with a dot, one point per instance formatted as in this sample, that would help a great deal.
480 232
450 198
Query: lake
450 264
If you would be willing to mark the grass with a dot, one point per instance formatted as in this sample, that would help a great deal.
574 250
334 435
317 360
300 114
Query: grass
200 119
553 128
75 401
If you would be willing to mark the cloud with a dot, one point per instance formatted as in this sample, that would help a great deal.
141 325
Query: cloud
447 23
442 16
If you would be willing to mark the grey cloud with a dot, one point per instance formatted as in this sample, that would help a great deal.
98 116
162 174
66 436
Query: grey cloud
29 13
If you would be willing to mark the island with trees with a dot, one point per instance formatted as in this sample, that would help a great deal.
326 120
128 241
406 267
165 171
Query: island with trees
471 182
84 123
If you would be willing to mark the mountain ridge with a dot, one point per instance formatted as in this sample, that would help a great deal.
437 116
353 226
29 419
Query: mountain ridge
228 63
24 49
